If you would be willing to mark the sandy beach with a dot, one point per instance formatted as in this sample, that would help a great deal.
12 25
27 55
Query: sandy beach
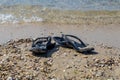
95 22
17 62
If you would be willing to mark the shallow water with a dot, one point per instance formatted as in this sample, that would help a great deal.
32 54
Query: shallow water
19 11
69 4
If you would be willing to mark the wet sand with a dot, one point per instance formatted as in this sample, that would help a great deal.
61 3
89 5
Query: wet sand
17 62
93 34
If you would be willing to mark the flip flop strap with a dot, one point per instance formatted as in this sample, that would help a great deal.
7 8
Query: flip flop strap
66 36
41 40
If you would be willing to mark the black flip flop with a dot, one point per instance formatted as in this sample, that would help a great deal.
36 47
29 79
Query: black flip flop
42 45
61 41
66 41
79 46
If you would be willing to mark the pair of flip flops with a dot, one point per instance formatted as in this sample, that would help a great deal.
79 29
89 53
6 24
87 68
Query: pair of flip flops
44 44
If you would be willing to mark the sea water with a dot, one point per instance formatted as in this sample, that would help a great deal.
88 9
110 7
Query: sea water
15 11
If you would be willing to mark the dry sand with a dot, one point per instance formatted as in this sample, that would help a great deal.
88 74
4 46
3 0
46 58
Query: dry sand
17 62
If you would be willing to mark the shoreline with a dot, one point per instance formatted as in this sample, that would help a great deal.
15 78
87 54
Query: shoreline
46 15
81 17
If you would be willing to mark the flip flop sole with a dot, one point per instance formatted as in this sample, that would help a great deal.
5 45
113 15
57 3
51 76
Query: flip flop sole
86 49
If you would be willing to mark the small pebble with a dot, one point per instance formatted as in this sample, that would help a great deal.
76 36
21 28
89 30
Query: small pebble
110 79
9 78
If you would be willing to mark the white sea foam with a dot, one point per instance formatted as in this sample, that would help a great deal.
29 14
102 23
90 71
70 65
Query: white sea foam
9 18
33 19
